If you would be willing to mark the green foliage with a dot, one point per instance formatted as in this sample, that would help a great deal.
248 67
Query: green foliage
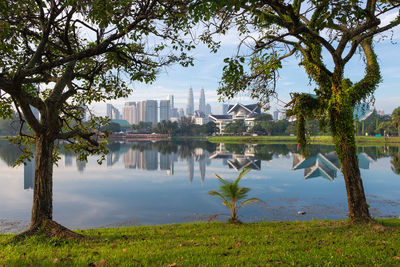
396 119
232 195
237 127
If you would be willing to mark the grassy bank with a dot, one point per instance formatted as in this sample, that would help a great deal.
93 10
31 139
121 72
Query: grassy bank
292 139
215 244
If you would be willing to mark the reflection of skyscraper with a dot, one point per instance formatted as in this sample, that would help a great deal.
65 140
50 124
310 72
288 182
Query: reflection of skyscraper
190 103
202 101
202 167
29 174
164 161
68 160
80 165
130 158
151 160
112 158
190 163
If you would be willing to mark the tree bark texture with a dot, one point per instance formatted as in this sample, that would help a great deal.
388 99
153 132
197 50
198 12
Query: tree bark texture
42 208
347 152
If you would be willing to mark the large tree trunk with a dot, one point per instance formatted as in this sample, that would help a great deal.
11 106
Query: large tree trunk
42 208
344 136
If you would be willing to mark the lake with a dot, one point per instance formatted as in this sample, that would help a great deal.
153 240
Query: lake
167 182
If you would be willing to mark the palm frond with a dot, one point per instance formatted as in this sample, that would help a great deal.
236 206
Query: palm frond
243 173
249 201
216 193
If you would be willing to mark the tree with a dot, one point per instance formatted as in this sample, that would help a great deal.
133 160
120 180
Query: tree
233 196
112 127
324 36
396 119
75 52
266 122
237 127
386 127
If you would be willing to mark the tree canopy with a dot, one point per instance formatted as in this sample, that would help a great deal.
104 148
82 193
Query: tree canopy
323 36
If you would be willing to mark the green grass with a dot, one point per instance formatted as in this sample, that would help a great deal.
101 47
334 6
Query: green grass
215 244
292 139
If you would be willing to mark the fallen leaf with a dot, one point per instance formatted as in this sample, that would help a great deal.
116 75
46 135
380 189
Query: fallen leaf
101 263
396 258
237 244
55 260
124 250
172 264
114 246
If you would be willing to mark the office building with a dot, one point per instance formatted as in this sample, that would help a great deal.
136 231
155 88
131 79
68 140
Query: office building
141 110
190 103
165 109
208 109
130 113
225 109
171 100
113 113
151 111
202 101
181 113
275 115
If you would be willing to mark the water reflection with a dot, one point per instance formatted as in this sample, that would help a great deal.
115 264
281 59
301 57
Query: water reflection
163 156
167 182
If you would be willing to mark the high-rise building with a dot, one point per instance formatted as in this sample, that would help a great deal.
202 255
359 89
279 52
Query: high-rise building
130 113
165 110
202 101
190 103
113 112
225 108
208 109
141 110
174 113
181 113
151 111
275 115
170 97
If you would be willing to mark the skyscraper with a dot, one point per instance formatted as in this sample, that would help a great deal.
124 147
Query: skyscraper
225 109
190 103
181 112
165 110
208 109
113 112
130 112
141 110
151 111
170 97
202 101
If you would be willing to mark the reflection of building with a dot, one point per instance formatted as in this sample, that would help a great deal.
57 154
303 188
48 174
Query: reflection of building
112 158
130 158
29 174
325 165
151 157
80 165
237 161
190 164
68 160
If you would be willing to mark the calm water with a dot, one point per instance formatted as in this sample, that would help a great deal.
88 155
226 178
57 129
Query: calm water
167 182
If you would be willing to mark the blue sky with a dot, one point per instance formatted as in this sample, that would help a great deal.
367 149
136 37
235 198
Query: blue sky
207 72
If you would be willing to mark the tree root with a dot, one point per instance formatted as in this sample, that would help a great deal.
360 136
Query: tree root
49 228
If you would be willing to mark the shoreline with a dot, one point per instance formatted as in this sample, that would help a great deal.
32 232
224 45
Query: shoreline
328 140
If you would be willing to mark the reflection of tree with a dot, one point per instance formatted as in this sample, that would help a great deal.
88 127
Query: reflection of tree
9 153
236 148
396 164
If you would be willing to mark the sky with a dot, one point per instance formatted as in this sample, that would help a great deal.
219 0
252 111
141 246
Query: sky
207 71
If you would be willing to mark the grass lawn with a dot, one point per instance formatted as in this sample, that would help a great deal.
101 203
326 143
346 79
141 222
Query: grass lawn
215 244
365 140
